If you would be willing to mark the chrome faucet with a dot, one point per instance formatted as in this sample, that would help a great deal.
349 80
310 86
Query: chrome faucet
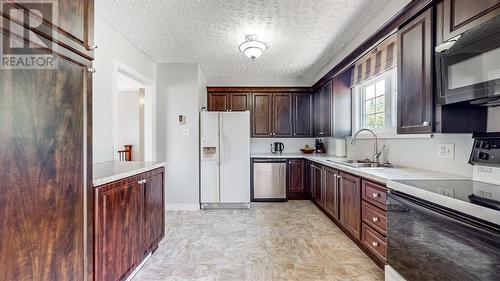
376 153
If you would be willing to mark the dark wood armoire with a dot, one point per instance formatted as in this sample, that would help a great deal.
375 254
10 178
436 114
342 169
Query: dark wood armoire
46 140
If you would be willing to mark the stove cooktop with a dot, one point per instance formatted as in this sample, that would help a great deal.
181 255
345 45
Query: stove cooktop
480 193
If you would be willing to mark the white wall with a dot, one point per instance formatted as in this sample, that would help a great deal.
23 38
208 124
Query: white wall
112 46
258 81
292 145
417 153
179 92
128 131
494 119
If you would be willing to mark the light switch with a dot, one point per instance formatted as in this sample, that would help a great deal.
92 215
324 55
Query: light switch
446 150
186 131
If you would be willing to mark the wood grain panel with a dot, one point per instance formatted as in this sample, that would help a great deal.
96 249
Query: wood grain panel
42 174
239 102
350 203
119 222
282 115
302 115
461 15
331 193
296 172
262 115
154 214
218 102
415 80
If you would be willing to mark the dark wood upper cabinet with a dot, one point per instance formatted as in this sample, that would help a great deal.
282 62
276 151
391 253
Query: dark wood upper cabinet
342 105
331 192
262 115
154 214
239 102
415 76
323 110
68 23
350 203
120 215
302 115
461 15
218 102
282 115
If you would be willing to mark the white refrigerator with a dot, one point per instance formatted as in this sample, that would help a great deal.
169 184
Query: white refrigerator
224 159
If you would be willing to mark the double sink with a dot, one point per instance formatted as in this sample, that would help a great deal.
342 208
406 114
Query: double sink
360 163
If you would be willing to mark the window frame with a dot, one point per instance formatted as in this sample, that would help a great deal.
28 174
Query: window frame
390 110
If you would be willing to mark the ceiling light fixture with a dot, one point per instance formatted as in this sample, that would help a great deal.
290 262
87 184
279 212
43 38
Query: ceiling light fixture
252 47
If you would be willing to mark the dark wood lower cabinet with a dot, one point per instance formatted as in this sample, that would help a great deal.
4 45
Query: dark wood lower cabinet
129 223
296 184
350 203
317 185
331 192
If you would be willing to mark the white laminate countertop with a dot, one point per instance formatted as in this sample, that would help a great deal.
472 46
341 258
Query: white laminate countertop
106 172
382 175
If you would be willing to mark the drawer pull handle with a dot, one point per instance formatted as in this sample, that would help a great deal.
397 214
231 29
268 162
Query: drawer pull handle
375 219
375 244
375 195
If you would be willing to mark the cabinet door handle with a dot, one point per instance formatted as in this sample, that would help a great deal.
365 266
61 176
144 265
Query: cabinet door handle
426 123
375 195
144 181
375 219
91 69
375 244
139 182
93 47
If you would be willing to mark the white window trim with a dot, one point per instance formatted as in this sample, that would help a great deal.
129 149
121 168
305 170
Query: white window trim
391 108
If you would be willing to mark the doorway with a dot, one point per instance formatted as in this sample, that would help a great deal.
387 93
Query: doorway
133 122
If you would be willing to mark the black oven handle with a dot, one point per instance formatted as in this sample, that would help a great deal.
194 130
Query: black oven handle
401 202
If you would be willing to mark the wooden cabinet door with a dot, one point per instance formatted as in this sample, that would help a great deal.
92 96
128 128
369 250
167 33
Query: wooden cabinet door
70 22
262 115
323 113
45 176
296 180
415 80
282 115
350 203
218 102
302 115
342 105
119 221
239 102
308 179
317 184
331 192
154 211
461 15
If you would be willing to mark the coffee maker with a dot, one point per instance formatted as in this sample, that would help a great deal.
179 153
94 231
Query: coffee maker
277 147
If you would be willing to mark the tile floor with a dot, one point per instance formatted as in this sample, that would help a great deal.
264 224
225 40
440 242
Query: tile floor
271 241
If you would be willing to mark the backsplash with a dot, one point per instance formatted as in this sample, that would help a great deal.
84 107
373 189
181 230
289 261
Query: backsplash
417 153
292 145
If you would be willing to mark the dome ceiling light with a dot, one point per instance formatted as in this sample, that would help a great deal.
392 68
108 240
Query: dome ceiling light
252 47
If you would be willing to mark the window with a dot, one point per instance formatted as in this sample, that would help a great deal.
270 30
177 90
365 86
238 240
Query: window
375 104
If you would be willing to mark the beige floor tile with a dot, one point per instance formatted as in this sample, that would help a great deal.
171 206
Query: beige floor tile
270 242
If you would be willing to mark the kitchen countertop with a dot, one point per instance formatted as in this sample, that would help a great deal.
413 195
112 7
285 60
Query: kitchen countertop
382 175
106 172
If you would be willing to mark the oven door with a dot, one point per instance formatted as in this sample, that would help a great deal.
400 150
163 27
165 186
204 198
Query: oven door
470 69
426 242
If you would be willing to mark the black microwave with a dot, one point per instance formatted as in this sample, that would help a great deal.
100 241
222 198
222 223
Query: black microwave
468 66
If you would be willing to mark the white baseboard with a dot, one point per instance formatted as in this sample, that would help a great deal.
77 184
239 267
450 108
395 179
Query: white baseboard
183 207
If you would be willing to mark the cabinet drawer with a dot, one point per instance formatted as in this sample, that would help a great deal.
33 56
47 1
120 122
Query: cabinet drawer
374 217
375 194
374 242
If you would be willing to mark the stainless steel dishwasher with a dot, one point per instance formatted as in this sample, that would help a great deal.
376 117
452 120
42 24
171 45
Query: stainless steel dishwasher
269 180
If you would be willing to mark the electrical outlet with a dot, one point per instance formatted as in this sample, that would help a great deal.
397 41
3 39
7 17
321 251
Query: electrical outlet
446 150
186 131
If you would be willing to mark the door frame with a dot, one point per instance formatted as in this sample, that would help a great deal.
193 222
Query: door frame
149 108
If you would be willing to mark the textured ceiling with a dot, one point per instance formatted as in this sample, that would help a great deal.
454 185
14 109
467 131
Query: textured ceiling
304 34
